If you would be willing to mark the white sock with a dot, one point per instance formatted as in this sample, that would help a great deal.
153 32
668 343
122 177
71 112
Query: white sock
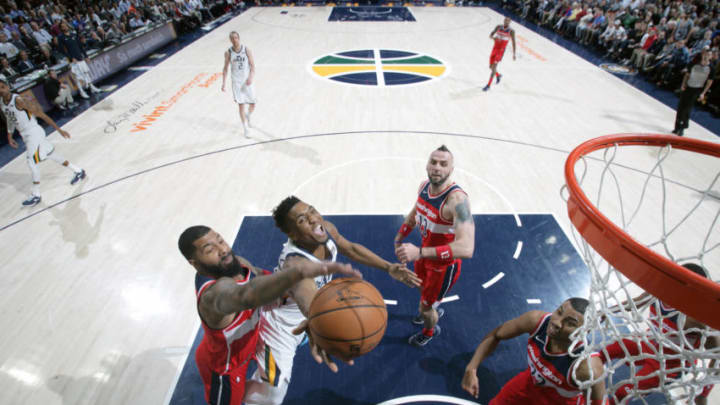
36 190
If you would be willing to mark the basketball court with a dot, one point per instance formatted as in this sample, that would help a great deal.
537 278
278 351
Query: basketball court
98 304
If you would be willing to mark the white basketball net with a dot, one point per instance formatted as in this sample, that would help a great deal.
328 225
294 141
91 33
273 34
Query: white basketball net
668 200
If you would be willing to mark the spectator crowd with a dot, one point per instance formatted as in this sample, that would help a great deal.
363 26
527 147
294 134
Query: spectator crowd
45 35
660 39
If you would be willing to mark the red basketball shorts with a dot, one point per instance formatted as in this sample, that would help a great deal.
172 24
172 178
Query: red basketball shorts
496 55
437 279
222 389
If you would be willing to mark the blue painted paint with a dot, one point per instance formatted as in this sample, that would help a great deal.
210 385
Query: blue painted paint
367 54
364 78
397 78
389 54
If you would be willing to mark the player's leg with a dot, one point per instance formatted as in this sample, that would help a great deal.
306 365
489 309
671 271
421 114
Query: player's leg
34 197
270 381
46 150
76 75
438 285
493 72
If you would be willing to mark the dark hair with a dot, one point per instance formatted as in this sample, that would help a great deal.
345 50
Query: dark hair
188 237
579 304
281 211
444 148
697 269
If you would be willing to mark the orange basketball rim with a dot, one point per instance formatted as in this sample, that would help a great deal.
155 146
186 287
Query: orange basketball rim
684 290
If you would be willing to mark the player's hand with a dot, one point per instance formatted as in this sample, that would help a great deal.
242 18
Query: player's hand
248 81
223 87
12 143
470 383
514 57
407 252
310 269
316 351
402 274
64 133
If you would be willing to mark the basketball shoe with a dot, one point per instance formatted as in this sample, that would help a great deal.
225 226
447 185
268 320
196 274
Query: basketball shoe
418 320
420 340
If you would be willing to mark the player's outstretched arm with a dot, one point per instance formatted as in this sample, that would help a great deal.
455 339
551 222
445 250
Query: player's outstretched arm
226 297
525 323
593 374
33 109
360 254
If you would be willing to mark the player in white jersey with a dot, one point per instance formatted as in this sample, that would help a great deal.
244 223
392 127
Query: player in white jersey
242 74
20 114
310 238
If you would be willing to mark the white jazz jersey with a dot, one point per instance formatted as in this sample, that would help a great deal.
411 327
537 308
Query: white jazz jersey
21 120
239 72
281 318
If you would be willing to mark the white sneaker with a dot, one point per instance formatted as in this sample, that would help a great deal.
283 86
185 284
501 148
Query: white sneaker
95 89
82 93
246 131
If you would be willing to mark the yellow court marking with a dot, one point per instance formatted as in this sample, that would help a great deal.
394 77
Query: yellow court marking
335 69
422 69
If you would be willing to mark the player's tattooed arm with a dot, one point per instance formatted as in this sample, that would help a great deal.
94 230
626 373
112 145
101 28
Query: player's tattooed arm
464 244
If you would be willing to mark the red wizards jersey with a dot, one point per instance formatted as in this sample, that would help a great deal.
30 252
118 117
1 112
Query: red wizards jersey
502 36
669 328
551 370
435 230
225 349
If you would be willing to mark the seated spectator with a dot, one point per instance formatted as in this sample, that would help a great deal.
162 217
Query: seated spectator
6 48
701 44
42 37
57 92
8 71
597 26
639 49
672 64
93 41
136 21
10 26
682 30
19 44
107 38
24 64
47 58
27 39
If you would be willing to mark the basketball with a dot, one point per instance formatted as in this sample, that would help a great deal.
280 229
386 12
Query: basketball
347 317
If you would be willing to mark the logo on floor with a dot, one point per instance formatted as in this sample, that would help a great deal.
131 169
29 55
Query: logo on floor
379 67
617 69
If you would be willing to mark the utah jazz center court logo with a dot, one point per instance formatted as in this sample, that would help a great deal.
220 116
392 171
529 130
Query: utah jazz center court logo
379 67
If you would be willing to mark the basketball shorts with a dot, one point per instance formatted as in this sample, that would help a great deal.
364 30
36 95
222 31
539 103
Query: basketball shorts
521 390
225 388
496 55
243 93
269 383
37 146
437 280
81 70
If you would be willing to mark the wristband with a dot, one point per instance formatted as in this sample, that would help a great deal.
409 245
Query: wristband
405 230
443 252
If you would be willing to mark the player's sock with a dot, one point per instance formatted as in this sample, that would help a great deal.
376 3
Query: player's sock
35 189
428 332
490 81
